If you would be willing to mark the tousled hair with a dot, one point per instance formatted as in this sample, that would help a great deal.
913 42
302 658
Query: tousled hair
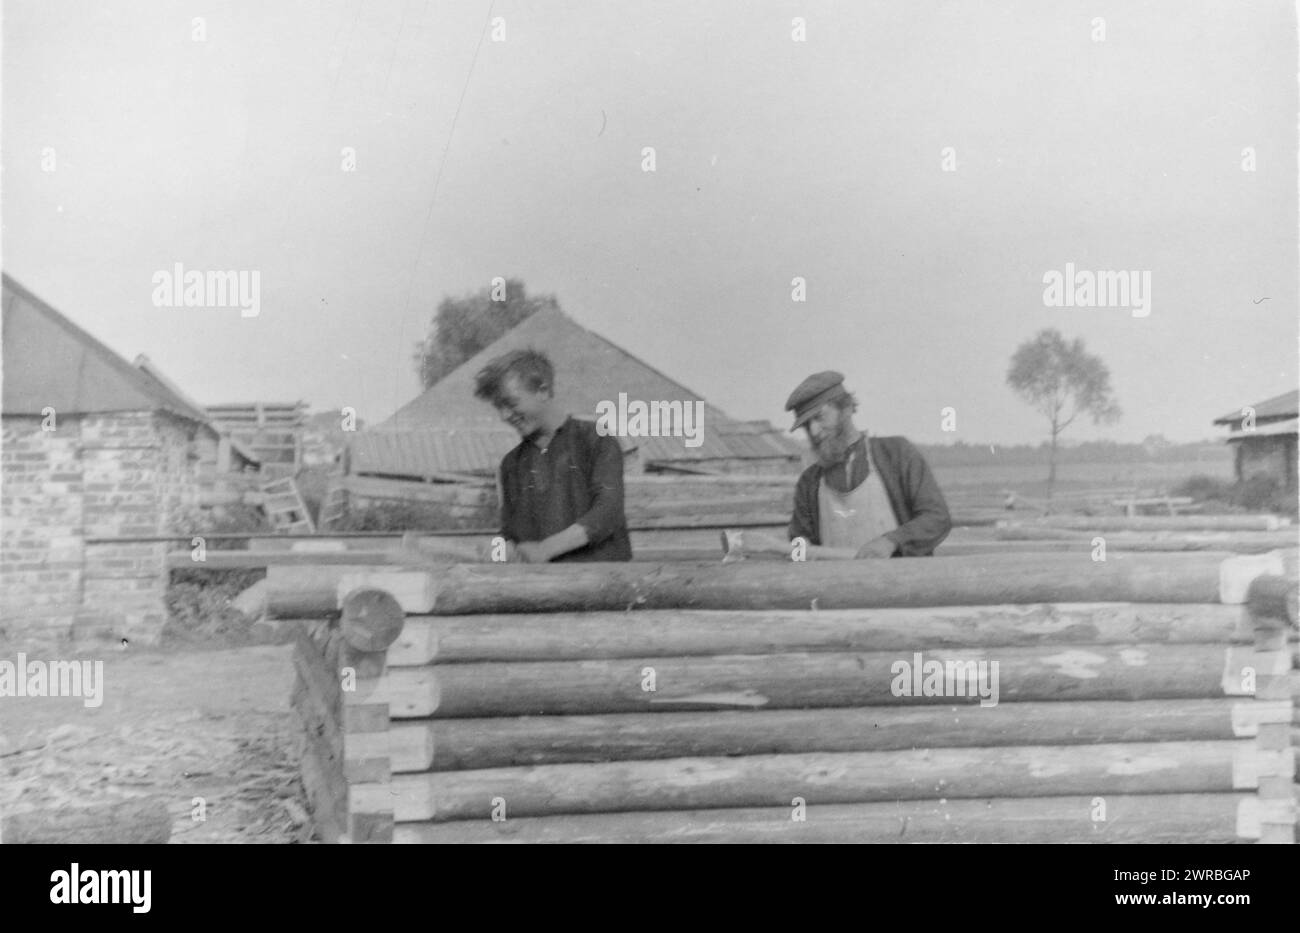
531 367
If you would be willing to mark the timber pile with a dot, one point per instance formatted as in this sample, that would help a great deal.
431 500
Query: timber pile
1145 698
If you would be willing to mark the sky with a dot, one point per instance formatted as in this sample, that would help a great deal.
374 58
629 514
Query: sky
920 165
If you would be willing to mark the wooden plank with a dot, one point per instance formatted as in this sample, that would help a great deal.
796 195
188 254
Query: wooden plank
1128 818
254 559
806 680
939 581
468 744
689 632
320 680
313 591
1272 597
413 590
317 705
136 820
821 778
317 721
325 750
326 796
1244 542
372 619
405 490
1238 572
1169 523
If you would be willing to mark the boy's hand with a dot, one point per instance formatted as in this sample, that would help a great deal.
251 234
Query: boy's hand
531 552
877 548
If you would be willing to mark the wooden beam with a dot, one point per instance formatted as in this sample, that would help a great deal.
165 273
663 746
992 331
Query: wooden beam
1243 542
684 632
316 722
294 592
1169 522
326 796
821 778
137 820
1125 818
938 581
468 744
371 619
254 559
1238 572
372 487
1273 597
830 679
318 675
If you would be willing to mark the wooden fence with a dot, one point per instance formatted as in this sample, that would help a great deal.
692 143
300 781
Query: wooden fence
1147 697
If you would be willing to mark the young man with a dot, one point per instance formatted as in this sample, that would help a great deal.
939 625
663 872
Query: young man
562 487
874 496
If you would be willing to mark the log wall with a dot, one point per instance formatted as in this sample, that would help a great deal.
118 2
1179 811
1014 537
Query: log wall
798 703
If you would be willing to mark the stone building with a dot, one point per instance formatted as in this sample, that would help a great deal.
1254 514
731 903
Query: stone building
93 449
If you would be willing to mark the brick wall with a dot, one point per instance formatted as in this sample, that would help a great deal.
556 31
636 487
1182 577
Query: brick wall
96 475
178 472
41 497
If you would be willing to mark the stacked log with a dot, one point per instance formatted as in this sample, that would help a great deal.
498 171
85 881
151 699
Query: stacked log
1240 534
1143 698
132 821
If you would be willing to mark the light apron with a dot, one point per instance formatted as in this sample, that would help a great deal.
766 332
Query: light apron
851 519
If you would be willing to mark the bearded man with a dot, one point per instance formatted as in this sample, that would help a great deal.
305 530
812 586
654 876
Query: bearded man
872 495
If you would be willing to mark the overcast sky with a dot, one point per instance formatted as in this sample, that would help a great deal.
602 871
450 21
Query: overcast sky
774 158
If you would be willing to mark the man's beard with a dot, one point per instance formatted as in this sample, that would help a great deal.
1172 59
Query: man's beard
833 448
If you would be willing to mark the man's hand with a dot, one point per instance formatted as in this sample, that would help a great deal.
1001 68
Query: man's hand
531 552
877 548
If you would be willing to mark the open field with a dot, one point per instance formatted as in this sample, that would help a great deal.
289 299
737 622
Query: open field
973 481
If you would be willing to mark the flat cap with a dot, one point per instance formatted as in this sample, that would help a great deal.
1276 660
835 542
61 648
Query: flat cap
812 394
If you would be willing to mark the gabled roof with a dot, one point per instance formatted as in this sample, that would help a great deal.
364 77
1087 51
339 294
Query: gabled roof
588 369
150 369
1286 405
50 361
1271 429
447 430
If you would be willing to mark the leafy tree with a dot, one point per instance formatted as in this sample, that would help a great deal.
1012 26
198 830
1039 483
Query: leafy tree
464 326
1062 380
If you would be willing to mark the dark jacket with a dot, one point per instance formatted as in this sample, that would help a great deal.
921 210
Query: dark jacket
578 480
919 507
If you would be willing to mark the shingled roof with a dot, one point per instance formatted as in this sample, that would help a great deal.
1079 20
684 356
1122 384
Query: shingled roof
50 361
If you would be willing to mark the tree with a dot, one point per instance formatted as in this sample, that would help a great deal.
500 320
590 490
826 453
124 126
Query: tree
464 326
1062 380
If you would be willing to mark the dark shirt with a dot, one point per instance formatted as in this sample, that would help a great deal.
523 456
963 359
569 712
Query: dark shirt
918 505
578 479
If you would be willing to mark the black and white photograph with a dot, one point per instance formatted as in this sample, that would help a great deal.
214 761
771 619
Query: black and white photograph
793 421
